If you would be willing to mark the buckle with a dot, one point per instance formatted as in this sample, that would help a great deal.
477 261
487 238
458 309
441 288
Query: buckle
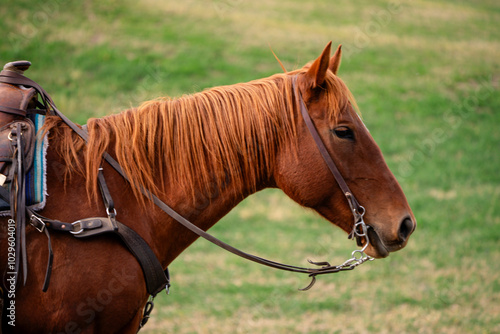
37 223
111 214
85 225
80 227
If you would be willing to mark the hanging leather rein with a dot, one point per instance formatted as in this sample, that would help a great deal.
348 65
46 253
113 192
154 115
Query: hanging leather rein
359 228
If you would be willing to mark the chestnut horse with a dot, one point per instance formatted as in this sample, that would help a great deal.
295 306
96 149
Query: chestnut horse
229 142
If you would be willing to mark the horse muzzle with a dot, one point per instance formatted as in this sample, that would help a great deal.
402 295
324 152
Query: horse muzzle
381 247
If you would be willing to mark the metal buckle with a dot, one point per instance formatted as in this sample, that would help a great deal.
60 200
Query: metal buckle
39 222
74 224
111 214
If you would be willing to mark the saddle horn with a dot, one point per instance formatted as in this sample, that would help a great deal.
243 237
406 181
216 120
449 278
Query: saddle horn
18 66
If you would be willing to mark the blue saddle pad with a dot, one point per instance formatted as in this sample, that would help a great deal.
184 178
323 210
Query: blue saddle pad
36 192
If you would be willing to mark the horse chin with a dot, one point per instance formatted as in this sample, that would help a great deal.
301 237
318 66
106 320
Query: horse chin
377 248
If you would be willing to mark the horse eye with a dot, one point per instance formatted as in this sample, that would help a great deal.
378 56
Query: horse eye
344 132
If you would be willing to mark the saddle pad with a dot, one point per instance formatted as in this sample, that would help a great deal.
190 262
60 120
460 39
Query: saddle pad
36 184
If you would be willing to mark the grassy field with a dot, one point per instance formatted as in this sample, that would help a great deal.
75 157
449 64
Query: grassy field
426 76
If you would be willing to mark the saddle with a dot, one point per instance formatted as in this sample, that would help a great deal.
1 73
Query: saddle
16 101
17 144
20 97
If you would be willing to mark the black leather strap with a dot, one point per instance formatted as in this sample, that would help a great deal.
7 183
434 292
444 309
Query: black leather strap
40 222
17 201
48 271
156 279
106 194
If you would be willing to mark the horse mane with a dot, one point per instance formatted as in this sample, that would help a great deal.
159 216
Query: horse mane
195 142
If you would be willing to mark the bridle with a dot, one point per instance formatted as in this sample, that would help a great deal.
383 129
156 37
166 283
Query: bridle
360 229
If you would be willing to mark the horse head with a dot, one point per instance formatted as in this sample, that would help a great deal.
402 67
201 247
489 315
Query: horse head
303 175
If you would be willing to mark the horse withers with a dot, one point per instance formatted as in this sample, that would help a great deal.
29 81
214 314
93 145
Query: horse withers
230 141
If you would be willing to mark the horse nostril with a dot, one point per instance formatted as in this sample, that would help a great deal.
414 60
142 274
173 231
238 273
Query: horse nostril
406 229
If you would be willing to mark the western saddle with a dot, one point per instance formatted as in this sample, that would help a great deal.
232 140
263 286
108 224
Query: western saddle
17 143
20 97
16 101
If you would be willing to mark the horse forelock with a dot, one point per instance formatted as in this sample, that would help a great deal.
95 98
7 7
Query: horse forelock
197 142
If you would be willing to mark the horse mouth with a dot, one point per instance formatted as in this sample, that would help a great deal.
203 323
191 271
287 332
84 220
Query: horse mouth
377 248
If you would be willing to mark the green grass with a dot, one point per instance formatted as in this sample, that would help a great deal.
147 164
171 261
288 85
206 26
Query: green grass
426 77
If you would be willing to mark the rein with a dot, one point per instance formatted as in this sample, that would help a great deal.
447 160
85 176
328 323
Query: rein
359 229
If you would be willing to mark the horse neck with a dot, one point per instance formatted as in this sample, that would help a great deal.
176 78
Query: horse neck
204 203
171 238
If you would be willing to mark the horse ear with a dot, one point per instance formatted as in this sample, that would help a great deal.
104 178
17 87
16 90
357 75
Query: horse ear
335 60
317 72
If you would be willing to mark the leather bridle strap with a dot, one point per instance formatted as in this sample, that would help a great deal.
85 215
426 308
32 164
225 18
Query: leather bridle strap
356 209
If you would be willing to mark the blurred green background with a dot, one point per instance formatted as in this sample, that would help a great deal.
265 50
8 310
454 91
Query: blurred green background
426 77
